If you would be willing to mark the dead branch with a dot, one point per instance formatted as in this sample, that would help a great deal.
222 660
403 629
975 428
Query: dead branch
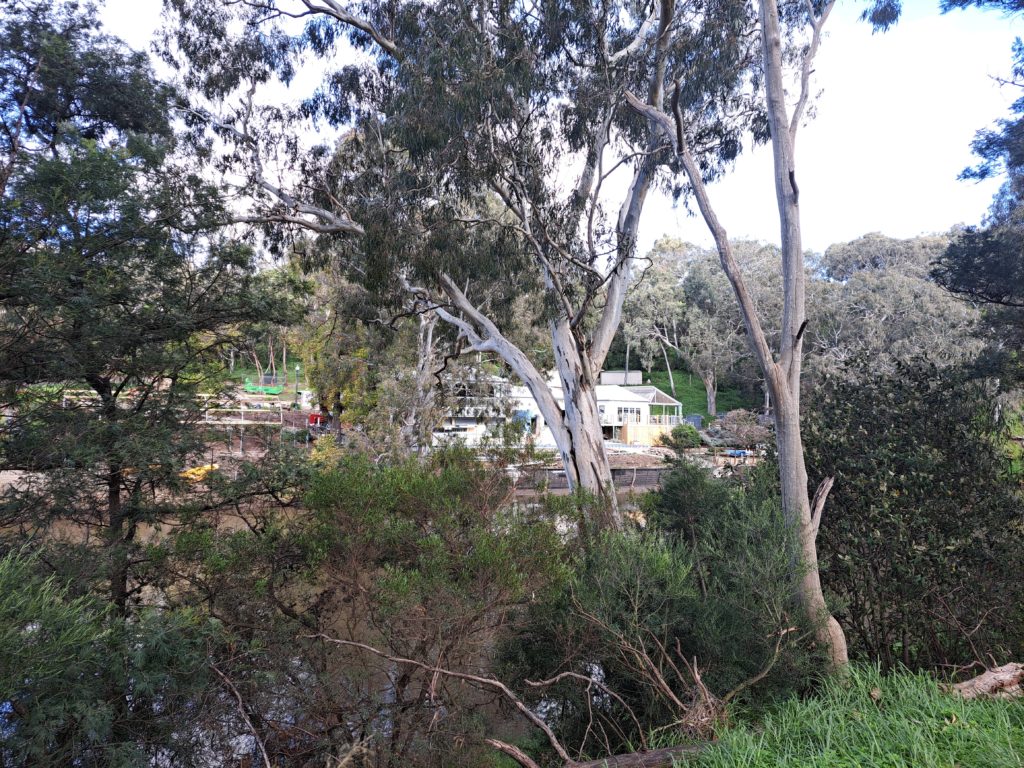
245 715
1005 682
667 757
818 502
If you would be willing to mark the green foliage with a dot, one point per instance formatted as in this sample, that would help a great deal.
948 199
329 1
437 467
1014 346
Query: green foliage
742 554
871 720
422 559
118 294
713 591
79 686
683 436
438 531
922 530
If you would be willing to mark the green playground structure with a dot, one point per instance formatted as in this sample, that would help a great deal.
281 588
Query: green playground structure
261 389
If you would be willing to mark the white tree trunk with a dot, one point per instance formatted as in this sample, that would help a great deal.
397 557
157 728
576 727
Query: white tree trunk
668 367
583 454
711 392
782 375
785 382
577 429
418 426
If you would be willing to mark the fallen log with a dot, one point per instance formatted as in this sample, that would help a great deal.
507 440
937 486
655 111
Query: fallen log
1005 682
655 758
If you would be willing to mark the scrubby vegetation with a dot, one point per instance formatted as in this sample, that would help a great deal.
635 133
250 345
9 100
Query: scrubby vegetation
191 579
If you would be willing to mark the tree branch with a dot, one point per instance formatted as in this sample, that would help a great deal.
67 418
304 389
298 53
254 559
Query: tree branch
818 503
333 8
245 715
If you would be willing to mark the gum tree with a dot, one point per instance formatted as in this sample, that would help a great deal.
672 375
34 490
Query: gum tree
487 150
786 31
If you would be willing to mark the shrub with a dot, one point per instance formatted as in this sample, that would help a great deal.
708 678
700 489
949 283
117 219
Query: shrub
921 534
683 436
641 607
424 560
81 686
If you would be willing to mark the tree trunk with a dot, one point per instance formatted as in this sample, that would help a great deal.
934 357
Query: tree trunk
118 577
796 509
711 391
582 447
668 367
418 426
576 429
786 379
626 377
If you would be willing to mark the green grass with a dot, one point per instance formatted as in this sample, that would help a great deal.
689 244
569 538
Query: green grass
690 392
909 723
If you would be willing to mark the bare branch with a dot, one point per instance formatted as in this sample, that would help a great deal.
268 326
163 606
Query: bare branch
634 45
818 503
487 682
806 64
245 715
302 214
333 8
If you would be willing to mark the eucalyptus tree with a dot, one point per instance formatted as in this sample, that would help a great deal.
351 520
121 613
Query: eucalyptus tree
787 34
484 151
655 308
874 301
984 265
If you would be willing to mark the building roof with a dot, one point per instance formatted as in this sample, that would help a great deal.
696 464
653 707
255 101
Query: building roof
652 395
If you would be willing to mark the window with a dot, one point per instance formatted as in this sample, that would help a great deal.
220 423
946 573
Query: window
629 415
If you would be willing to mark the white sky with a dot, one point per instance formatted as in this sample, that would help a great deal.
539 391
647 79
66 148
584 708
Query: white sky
894 124
892 130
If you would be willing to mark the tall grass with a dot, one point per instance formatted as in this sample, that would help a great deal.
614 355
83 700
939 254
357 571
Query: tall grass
870 720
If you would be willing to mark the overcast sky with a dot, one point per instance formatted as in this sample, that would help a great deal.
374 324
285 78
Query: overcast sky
894 124
892 130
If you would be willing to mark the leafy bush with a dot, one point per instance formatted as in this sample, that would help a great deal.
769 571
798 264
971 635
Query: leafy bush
641 608
423 560
683 436
922 531
81 686
870 720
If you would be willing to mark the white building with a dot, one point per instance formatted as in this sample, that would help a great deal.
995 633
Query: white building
622 378
483 405
617 406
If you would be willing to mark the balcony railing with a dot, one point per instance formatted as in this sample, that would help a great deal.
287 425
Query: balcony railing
667 420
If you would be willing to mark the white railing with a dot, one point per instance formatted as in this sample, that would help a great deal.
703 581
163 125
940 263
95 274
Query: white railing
667 420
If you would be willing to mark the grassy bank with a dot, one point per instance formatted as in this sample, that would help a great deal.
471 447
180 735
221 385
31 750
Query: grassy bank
690 392
896 720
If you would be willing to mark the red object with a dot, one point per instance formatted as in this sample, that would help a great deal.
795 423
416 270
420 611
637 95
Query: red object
316 419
